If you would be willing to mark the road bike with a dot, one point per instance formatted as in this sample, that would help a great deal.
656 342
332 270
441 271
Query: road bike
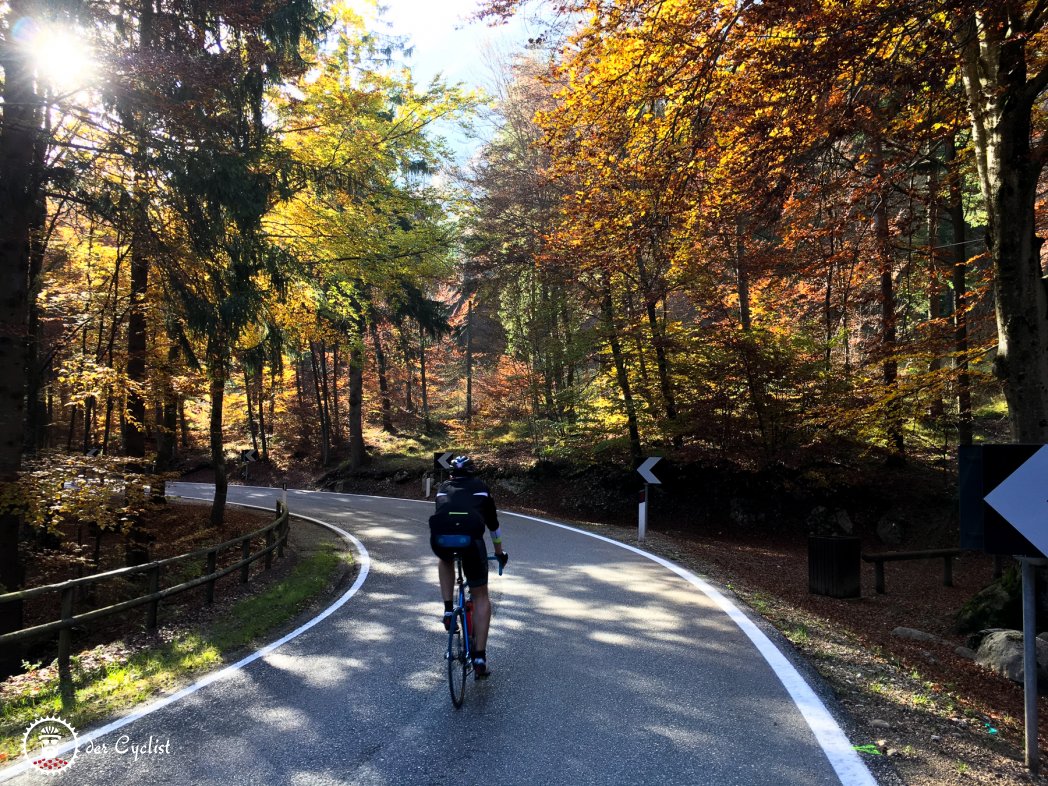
461 642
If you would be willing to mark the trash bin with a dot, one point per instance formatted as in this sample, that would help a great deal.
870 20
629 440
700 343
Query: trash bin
833 566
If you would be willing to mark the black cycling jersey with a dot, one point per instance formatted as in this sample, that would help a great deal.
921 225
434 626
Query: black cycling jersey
464 509
468 494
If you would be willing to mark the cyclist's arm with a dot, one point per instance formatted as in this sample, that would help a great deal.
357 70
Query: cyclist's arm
496 539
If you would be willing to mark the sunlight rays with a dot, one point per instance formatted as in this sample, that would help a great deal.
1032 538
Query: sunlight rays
62 59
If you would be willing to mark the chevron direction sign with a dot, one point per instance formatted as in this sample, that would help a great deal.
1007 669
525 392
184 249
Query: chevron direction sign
441 460
1004 499
645 470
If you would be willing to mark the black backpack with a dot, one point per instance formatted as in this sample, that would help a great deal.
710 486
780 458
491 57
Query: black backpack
459 520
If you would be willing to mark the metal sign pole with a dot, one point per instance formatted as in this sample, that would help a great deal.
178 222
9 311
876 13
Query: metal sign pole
1002 512
1033 763
284 487
642 514
644 470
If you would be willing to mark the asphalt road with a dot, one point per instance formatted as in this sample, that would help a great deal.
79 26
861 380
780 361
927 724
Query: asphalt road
609 668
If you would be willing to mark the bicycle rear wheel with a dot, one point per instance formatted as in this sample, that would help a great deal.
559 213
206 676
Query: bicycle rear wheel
458 662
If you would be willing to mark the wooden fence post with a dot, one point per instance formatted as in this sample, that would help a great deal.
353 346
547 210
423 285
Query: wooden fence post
271 538
281 511
154 605
245 552
65 640
212 564
280 532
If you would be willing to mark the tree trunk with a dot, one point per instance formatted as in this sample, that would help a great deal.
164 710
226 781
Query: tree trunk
167 428
409 372
35 413
335 416
357 454
960 297
469 363
252 425
263 424
936 306
890 366
217 374
422 378
383 383
322 410
623 378
742 281
658 341
1001 102
20 192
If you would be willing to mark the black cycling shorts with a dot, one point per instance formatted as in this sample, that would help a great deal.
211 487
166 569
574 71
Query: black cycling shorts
474 558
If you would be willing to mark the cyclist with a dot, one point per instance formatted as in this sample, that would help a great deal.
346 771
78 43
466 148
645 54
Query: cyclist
465 507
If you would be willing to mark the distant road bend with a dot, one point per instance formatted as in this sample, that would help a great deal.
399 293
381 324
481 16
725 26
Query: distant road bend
611 666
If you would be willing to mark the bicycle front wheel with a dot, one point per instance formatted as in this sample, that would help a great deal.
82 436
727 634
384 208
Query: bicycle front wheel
458 660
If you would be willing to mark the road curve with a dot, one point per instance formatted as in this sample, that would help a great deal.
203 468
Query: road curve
610 666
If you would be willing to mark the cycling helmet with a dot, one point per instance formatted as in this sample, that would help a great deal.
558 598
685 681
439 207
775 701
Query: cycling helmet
462 465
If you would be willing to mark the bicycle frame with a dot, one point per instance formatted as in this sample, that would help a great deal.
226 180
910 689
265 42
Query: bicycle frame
464 599
459 656
460 650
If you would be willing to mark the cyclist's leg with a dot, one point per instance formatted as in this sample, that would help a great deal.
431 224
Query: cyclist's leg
445 570
446 575
481 615
475 565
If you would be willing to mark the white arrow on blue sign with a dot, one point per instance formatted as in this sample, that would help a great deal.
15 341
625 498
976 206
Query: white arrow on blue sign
1022 499
443 460
645 470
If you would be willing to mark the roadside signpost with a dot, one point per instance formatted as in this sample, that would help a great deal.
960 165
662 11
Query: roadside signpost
1004 510
441 465
644 470
248 456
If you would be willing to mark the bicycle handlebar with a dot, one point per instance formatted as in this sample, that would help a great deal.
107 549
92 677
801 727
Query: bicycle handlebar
495 558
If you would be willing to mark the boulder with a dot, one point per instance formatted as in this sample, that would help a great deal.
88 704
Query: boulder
829 523
1002 652
916 635
890 530
998 605
744 514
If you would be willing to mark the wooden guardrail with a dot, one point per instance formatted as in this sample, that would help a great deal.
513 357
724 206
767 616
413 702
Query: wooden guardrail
878 561
275 534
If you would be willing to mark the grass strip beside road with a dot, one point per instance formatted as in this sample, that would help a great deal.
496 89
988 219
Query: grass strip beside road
110 679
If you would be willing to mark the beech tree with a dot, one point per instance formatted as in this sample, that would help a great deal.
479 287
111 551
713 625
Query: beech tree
756 161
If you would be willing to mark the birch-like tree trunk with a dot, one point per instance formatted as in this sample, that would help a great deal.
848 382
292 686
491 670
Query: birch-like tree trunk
1001 98
959 244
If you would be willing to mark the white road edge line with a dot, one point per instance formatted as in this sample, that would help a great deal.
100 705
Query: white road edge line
365 566
850 769
845 760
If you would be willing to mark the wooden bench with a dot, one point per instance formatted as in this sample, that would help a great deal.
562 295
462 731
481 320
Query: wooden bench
879 559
